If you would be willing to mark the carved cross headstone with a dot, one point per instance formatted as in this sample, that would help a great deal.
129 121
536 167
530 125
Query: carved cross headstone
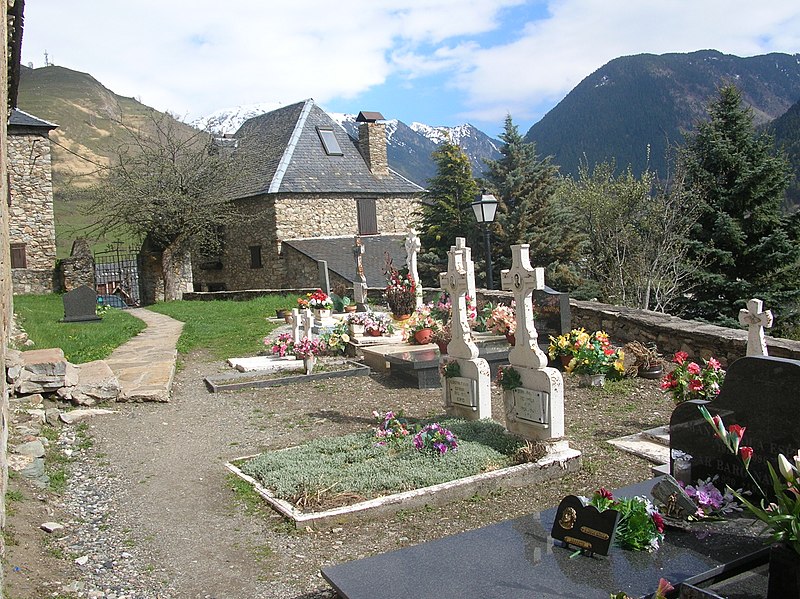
360 285
413 247
302 324
535 410
756 320
456 282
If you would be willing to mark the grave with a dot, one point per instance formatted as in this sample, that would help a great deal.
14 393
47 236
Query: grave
420 365
80 305
553 316
517 558
469 395
535 410
265 363
756 320
759 392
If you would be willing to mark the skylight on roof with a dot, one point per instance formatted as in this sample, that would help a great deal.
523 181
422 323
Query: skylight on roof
329 141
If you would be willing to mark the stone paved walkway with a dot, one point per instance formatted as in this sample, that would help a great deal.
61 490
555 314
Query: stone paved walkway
145 365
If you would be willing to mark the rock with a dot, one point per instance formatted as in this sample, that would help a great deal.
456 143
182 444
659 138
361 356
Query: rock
74 587
72 374
32 448
37 415
35 473
42 370
93 382
19 462
51 416
35 400
74 416
51 526
82 560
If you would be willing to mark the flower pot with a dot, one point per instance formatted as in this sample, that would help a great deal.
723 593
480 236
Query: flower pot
401 317
280 313
321 313
565 360
350 308
288 317
651 373
512 340
442 346
356 329
374 332
309 363
784 573
592 380
423 336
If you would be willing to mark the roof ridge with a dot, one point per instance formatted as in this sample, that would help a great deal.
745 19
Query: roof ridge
277 179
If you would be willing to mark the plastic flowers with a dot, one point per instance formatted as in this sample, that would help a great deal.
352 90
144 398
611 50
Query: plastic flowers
435 439
508 378
711 502
400 291
317 300
689 380
593 354
305 348
502 320
392 427
640 528
282 346
449 368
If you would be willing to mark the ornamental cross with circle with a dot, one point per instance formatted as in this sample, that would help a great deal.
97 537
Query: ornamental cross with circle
457 284
756 320
523 280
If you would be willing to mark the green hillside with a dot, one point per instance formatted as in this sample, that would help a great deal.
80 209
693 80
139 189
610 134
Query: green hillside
786 130
89 118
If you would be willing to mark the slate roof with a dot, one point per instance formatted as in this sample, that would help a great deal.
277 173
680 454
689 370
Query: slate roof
281 152
338 252
20 118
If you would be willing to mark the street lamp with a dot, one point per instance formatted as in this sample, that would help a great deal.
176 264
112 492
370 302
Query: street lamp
484 207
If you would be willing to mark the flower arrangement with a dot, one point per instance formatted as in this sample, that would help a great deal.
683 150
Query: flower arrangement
593 354
359 318
508 378
782 515
710 501
306 348
380 323
317 300
502 319
435 439
564 345
640 527
336 339
282 346
689 380
400 290
449 368
392 427
422 318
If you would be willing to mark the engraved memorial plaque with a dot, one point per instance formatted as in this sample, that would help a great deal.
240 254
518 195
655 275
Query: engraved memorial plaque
532 406
461 391
583 526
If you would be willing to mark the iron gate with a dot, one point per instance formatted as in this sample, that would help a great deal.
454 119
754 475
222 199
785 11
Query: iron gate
116 272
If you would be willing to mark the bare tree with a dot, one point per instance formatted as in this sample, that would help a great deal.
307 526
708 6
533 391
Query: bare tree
170 185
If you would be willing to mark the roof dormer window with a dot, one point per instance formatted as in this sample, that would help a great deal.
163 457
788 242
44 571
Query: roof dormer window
329 141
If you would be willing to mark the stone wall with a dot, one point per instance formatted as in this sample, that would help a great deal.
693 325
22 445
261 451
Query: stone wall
269 219
302 271
31 219
78 269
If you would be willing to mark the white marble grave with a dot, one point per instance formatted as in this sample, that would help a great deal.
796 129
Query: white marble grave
534 411
359 286
265 363
413 247
470 395
302 324
756 320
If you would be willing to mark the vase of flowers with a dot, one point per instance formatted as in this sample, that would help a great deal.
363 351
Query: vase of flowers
378 324
400 291
442 338
563 347
421 325
688 380
593 356
308 350
319 301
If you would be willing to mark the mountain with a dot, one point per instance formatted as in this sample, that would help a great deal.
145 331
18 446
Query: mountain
408 148
648 100
786 131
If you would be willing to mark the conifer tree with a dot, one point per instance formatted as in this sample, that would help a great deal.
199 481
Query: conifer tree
445 213
745 245
529 211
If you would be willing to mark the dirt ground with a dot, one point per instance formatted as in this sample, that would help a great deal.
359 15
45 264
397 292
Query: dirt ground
174 509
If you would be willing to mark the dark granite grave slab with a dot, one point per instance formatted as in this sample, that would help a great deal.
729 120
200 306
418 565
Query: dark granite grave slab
517 558
80 305
551 313
421 367
760 393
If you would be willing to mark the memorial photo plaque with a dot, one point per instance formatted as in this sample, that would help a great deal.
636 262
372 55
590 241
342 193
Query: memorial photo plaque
532 406
461 391
583 526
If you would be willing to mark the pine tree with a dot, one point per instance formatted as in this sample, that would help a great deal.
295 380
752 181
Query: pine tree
446 212
529 212
745 245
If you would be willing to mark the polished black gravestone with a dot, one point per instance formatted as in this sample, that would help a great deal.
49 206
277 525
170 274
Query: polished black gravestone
551 313
760 393
80 305
517 558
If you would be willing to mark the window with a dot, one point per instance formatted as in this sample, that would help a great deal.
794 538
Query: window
329 141
18 259
367 216
255 256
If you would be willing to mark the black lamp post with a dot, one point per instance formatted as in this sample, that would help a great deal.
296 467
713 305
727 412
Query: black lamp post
484 207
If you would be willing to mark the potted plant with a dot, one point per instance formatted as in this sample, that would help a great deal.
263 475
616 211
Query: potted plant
347 305
357 320
378 324
563 346
307 350
320 302
400 292
502 320
421 326
443 337
647 362
594 359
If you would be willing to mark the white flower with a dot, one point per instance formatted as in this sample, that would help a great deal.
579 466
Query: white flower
786 468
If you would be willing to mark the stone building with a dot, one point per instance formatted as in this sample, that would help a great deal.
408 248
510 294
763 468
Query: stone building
307 188
31 224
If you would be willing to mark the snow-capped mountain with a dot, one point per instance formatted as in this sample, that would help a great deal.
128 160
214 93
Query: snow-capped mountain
409 149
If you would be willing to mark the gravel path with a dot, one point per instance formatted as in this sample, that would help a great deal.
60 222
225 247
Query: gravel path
154 511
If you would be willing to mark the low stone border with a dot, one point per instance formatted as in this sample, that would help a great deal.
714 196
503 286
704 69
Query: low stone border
554 465
234 381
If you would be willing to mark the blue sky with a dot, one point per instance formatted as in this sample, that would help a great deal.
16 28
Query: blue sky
440 62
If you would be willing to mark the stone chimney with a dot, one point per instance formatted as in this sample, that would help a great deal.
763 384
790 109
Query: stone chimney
372 142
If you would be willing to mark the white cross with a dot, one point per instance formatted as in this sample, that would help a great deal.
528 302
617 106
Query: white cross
756 321
413 247
456 281
523 280
358 254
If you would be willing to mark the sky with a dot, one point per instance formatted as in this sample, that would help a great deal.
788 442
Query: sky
439 62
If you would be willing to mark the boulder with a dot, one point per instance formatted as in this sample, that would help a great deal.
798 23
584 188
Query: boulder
90 383
38 371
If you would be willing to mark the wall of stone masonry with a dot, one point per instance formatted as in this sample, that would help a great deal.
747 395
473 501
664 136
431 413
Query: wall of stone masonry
31 213
78 269
302 271
270 219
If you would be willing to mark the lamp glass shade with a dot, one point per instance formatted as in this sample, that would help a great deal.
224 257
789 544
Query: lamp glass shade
485 208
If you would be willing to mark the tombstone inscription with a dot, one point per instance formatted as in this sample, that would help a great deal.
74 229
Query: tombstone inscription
80 305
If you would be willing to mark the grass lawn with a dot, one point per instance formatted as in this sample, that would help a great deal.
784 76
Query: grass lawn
227 329
82 342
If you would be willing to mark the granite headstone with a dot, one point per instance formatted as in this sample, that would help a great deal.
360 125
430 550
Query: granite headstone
80 305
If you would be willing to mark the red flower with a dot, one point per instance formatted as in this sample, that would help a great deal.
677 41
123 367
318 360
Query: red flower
680 357
696 385
737 430
693 368
668 382
664 587
605 493
746 453
714 363
658 521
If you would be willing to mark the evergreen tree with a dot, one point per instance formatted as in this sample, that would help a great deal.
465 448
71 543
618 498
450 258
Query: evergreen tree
745 245
445 213
529 211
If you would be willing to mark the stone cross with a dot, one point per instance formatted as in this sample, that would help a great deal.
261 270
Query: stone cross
359 286
413 247
756 320
302 324
523 280
456 281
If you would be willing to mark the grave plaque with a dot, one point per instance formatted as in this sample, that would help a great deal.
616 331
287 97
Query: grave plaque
583 526
531 406
461 391
760 393
80 305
